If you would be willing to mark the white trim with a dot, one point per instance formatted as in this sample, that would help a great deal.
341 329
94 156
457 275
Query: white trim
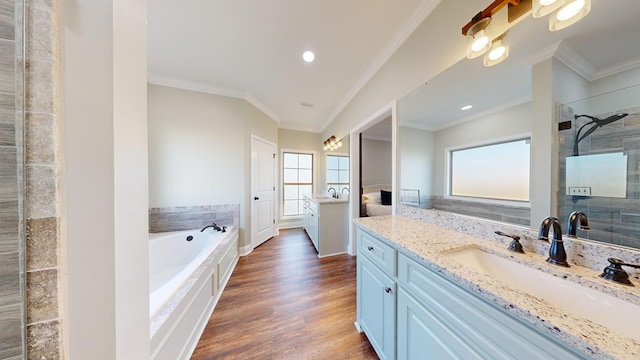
314 179
492 141
389 110
260 106
193 86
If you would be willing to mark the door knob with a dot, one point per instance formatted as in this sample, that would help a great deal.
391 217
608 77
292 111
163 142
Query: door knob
387 290
256 198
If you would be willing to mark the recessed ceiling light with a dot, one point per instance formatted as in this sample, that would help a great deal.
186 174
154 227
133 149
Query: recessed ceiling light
466 107
308 56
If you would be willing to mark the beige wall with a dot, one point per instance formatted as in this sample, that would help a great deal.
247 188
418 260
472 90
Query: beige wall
199 146
417 160
376 162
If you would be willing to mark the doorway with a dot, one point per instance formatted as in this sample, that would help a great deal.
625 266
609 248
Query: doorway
388 111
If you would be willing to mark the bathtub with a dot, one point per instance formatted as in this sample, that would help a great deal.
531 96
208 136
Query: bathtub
172 260
187 273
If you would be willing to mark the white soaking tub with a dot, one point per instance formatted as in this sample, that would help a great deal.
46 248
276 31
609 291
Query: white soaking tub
187 272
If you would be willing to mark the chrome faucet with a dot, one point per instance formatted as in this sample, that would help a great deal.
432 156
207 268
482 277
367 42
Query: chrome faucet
343 189
573 223
335 193
557 255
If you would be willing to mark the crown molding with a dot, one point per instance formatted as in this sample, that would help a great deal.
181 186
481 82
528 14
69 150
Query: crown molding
260 106
576 62
617 68
193 86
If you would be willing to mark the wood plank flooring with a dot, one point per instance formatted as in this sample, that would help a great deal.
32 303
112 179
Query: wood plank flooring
282 302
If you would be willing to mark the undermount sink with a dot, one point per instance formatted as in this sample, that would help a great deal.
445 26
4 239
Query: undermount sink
572 298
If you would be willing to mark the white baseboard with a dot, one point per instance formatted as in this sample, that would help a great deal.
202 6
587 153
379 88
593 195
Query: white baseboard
245 250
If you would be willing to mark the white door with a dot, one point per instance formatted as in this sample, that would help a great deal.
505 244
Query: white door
262 190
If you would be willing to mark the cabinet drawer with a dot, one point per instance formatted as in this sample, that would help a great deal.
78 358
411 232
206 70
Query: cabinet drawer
377 251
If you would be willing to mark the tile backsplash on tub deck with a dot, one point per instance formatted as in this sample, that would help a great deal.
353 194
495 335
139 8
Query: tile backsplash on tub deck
192 217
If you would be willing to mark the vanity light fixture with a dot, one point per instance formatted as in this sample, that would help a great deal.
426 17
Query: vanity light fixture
479 32
499 51
332 144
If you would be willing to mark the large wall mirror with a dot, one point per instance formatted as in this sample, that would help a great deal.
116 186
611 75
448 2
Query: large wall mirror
596 63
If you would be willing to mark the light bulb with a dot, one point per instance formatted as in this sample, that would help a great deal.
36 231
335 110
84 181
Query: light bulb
569 14
480 42
571 10
496 53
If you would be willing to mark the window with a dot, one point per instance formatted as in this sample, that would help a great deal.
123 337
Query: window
338 172
297 180
498 171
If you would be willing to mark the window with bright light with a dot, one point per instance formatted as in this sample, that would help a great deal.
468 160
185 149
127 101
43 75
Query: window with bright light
498 171
338 172
297 180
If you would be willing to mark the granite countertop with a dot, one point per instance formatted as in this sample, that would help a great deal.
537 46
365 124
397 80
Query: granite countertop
431 244
323 198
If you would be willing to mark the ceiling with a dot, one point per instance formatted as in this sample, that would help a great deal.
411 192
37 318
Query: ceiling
253 50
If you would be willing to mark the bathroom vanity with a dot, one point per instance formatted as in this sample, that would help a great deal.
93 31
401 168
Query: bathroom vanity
325 221
421 289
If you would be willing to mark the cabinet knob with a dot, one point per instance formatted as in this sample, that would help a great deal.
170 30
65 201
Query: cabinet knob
388 290
256 198
370 248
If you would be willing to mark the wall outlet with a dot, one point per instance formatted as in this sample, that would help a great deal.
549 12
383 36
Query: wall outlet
579 190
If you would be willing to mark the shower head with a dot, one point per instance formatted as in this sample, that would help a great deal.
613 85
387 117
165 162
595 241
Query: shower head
598 123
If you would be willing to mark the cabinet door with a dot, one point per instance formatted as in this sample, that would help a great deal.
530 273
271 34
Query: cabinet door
422 335
377 307
314 228
305 216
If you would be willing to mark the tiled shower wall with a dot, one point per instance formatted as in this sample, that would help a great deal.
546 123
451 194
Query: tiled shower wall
11 243
612 220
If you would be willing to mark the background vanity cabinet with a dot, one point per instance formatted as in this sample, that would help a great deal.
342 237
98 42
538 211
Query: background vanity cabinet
438 319
376 295
325 221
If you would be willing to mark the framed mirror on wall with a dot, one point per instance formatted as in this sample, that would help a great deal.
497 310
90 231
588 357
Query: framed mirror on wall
470 105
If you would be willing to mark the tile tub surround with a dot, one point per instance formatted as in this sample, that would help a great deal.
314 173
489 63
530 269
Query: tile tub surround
428 243
192 217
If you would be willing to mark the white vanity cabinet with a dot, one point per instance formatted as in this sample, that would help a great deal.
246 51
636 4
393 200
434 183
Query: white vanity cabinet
438 319
325 221
376 294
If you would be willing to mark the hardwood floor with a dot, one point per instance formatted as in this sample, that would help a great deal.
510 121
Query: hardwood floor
282 302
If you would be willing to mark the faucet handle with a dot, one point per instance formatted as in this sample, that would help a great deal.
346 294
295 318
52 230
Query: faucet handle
515 245
614 271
